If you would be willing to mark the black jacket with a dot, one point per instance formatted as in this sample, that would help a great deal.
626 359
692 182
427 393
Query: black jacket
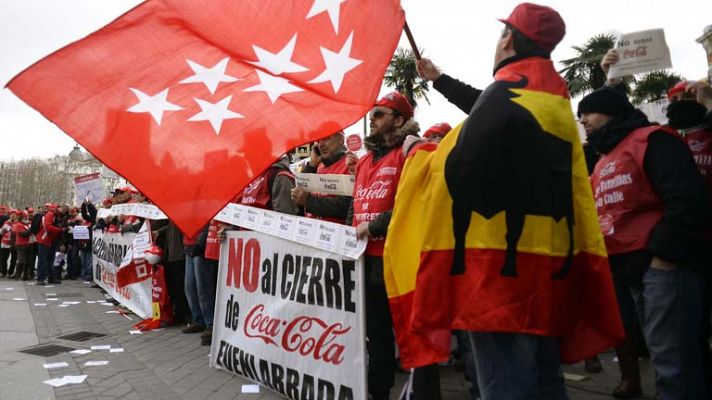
458 93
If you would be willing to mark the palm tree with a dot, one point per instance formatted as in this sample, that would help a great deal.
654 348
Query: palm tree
403 77
653 86
583 73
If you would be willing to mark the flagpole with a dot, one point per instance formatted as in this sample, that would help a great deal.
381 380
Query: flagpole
411 40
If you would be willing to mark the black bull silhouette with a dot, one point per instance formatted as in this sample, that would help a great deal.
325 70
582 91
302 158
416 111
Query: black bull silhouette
505 161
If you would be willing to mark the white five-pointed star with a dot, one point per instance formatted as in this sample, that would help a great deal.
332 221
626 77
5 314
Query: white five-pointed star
337 65
211 77
274 86
215 113
330 6
155 105
280 62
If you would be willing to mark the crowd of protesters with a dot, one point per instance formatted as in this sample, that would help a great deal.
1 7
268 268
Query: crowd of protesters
659 252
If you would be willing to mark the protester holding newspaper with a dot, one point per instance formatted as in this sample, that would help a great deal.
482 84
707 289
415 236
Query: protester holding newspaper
328 157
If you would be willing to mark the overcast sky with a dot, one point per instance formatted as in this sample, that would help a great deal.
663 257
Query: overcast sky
459 35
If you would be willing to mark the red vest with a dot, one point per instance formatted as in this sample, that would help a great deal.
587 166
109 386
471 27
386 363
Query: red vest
700 143
7 236
628 207
337 168
375 191
212 244
18 227
259 192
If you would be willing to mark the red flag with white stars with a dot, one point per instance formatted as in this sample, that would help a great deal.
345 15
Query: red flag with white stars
189 100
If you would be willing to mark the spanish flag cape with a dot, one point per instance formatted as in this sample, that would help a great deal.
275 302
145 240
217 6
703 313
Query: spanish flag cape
495 229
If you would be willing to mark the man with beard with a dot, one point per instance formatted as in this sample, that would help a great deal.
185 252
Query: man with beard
652 206
328 157
377 175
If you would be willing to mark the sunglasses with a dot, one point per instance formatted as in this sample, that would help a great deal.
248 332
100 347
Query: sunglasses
378 114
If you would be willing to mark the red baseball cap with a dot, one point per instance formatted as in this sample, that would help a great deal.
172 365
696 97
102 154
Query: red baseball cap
440 129
677 89
542 24
398 102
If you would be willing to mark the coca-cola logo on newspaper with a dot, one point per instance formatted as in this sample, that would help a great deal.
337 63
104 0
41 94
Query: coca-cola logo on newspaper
308 336
377 190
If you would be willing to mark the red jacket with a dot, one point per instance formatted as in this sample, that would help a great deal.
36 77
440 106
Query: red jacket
17 228
49 232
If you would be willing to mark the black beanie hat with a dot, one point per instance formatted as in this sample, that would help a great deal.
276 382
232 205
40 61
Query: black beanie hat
605 100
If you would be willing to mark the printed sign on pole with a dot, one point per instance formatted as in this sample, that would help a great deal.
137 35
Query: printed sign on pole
641 52
88 187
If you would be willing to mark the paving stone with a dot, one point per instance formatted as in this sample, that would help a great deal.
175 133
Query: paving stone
174 366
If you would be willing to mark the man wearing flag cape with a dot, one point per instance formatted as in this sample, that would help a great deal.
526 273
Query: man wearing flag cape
495 232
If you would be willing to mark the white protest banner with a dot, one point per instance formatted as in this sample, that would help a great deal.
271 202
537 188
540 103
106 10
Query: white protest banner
88 187
336 184
323 235
108 251
290 318
641 52
142 210
80 232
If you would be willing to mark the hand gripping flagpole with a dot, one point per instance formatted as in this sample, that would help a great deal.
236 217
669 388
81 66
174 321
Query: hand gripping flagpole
412 41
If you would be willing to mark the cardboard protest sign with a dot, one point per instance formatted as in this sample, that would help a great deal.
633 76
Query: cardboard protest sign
335 184
88 187
641 52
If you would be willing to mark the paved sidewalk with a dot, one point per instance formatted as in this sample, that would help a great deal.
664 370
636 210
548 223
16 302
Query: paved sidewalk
164 364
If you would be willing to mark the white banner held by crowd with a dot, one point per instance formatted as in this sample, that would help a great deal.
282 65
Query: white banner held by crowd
109 249
88 187
290 318
336 184
323 235
641 52
148 211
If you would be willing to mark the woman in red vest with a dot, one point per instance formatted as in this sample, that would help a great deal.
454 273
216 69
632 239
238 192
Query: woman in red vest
652 207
